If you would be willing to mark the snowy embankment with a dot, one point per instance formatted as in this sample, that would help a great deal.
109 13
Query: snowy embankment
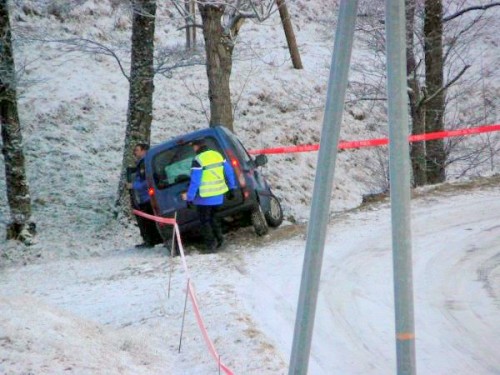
113 314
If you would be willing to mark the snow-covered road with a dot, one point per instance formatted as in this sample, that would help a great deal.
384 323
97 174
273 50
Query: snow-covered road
456 256
112 314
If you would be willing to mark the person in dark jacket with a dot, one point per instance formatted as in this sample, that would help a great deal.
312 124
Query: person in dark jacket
142 201
211 178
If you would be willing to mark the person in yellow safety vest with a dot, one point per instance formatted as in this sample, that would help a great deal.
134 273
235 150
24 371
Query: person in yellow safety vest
211 178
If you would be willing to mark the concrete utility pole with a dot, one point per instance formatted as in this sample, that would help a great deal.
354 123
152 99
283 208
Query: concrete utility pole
400 187
325 169
399 165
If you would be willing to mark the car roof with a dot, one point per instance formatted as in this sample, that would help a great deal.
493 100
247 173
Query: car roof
185 138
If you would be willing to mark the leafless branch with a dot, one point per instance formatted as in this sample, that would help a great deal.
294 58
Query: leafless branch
91 47
237 101
367 99
453 41
234 11
469 9
197 25
169 59
196 94
427 99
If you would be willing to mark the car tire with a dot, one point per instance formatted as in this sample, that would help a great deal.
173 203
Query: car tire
274 216
259 221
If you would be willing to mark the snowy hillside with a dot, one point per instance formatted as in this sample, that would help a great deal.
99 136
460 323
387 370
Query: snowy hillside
73 113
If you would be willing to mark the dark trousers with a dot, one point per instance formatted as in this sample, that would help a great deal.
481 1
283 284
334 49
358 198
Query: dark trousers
148 229
211 229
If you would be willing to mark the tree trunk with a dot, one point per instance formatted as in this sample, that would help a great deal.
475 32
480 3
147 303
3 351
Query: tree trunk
219 50
434 107
18 196
140 102
417 116
290 35
190 21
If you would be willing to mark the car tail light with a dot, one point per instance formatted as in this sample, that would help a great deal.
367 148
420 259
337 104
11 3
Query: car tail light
154 205
237 169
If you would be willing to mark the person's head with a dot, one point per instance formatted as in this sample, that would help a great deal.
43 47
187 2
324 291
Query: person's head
140 150
198 144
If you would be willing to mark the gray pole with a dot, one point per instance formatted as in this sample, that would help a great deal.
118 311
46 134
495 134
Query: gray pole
399 164
320 208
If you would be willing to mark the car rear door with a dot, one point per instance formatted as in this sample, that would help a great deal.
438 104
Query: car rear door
171 176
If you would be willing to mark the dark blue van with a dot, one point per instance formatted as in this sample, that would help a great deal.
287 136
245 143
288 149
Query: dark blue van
168 168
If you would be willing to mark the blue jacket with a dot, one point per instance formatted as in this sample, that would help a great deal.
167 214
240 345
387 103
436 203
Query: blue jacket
140 187
194 185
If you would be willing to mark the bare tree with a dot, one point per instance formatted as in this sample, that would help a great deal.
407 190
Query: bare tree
140 103
221 23
289 34
418 158
434 81
18 195
434 65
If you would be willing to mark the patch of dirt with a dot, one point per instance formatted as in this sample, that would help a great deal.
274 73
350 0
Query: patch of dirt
246 236
480 183
444 189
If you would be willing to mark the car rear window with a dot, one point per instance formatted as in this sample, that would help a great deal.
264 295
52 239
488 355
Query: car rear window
173 166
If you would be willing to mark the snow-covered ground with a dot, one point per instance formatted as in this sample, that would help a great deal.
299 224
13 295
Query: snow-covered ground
86 301
113 315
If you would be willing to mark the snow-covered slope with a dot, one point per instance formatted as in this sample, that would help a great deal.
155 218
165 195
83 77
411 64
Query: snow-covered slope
73 113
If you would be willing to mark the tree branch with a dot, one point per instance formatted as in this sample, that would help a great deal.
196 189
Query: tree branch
91 46
463 11
426 100
197 25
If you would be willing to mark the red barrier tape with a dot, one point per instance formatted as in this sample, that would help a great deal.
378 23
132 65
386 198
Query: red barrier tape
159 219
191 293
380 141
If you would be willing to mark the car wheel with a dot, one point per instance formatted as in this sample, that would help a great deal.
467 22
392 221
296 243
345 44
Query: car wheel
259 221
274 216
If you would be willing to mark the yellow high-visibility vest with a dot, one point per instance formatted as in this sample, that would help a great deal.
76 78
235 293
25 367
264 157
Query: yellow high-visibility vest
212 179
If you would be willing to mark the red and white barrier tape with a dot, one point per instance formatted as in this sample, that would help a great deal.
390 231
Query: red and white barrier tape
380 141
190 291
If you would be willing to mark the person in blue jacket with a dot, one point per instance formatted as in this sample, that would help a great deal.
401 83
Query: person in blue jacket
211 178
142 200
